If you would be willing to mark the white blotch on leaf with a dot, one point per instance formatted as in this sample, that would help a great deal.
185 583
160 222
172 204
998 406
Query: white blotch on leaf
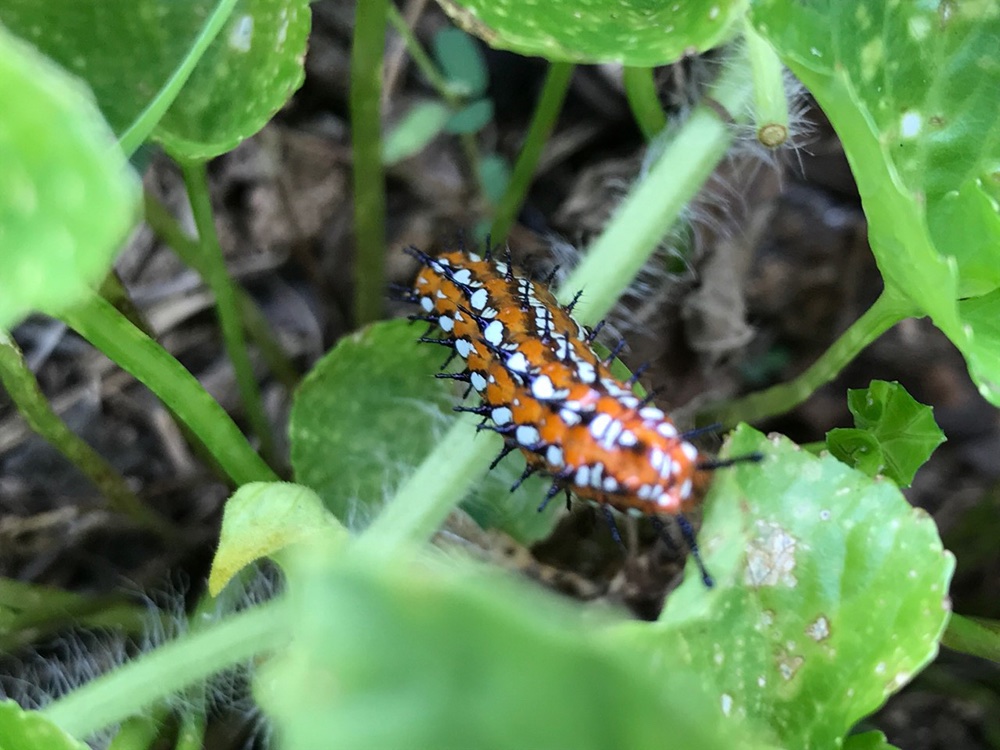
771 557
727 703
818 629
242 34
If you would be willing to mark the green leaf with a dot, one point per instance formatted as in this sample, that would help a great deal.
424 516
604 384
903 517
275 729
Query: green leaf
910 89
642 34
470 118
29 730
368 414
494 176
868 741
858 449
67 195
461 61
263 518
903 429
417 128
406 655
831 594
128 50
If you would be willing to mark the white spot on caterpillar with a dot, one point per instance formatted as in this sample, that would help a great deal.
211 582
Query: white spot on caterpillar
666 429
686 488
462 276
478 382
478 300
570 417
652 414
517 362
527 436
542 388
610 485
585 371
502 415
446 323
582 478
627 439
426 304
494 333
689 451
600 423
554 456
463 347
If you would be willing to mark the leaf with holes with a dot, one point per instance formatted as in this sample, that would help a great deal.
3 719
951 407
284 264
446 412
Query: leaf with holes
639 33
910 89
831 595
67 196
127 50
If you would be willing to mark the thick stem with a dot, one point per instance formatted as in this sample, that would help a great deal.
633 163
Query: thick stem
133 687
975 636
142 357
547 110
217 277
640 88
880 317
770 102
369 181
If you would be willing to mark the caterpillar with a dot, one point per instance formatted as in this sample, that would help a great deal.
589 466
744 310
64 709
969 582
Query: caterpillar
547 392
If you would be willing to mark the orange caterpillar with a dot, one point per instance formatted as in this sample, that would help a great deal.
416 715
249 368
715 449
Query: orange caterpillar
551 396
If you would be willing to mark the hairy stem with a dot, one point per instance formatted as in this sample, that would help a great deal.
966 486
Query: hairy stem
770 103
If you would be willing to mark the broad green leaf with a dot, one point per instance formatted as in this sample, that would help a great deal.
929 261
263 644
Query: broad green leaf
903 428
910 89
127 50
470 118
831 594
67 195
413 655
642 33
263 518
368 414
29 730
417 128
868 741
461 62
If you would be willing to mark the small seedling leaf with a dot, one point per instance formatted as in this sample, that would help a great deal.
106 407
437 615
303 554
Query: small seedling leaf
408 656
640 34
903 429
263 518
470 118
858 449
831 594
67 195
461 61
417 128
371 410
30 730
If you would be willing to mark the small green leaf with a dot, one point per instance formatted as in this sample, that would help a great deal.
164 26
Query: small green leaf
494 176
858 449
417 128
868 741
29 730
831 594
371 410
407 655
261 519
67 195
642 34
903 428
461 62
471 118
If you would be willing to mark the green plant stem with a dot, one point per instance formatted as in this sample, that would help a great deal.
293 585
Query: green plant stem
136 733
770 102
647 213
880 317
655 203
547 110
22 387
138 132
219 281
169 669
420 57
142 357
169 231
369 180
972 635
640 89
